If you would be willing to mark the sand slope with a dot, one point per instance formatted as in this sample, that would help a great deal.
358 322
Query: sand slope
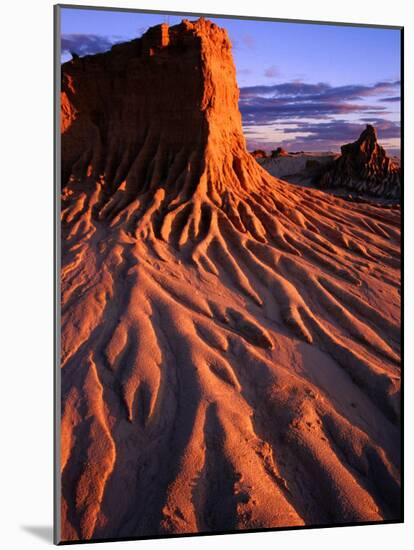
230 342
297 167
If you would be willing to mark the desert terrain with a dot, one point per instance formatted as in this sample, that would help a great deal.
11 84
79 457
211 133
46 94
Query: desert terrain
363 170
230 349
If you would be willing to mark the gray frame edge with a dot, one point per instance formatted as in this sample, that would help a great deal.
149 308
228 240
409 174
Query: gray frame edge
56 282
227 16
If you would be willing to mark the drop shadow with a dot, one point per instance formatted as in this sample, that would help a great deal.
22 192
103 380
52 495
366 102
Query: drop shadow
42 532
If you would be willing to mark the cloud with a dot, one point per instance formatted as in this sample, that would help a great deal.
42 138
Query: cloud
341 130
265 104
86 44
391 99
320 92
244 71
267 111
387 129
271 71
248 41
320 117
324 136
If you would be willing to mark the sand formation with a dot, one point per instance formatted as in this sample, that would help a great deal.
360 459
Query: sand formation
230 342
300 168
364 167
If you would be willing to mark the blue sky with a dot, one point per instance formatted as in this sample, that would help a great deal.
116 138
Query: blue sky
303 86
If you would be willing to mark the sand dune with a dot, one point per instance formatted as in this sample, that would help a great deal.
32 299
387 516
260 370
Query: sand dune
230 342
297 167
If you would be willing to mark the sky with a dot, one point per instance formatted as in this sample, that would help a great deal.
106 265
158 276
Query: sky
304 87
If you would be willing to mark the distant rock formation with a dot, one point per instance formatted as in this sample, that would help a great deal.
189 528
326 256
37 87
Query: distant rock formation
364 167
279 152
259 154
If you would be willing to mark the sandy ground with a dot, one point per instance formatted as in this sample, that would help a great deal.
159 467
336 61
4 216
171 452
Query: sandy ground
296 167
306 168
242 377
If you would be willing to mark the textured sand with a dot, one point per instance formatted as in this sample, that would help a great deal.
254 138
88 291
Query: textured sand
230 342
297 167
